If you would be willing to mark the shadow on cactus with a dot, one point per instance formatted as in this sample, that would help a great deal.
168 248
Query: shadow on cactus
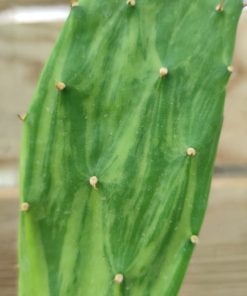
119 144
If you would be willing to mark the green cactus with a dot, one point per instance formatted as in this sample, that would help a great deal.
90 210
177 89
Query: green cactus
117 159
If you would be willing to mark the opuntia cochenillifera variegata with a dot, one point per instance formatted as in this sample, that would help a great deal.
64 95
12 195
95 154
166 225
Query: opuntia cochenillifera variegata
119 144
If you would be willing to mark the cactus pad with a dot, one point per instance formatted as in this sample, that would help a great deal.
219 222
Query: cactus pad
119 144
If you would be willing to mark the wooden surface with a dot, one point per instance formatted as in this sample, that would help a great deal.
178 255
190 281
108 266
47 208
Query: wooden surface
4 4
219 264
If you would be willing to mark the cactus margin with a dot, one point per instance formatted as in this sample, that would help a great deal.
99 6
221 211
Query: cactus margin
43 219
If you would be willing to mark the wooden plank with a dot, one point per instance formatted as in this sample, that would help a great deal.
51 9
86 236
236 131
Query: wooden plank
8 234
219 264
4 4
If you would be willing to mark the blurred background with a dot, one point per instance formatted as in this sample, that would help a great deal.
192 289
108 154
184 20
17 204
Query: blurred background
28 30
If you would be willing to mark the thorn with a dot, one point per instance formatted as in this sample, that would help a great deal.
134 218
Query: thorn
194 239
93 181
74 3
60 85
191 151
25 207
230 69
22 117
220 6
131 2
118 278
163 72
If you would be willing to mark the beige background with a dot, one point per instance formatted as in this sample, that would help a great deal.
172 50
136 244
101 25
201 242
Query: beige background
219 264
